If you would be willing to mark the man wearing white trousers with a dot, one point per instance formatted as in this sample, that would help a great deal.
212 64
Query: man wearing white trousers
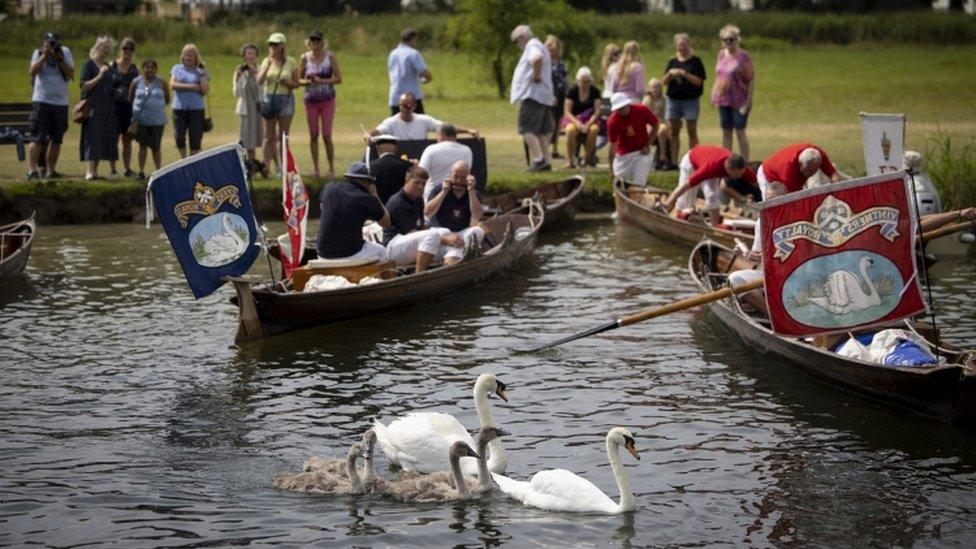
631 129
408 239
455 206
702 168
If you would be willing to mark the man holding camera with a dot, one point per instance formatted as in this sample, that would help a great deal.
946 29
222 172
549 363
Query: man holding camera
51 68
456 206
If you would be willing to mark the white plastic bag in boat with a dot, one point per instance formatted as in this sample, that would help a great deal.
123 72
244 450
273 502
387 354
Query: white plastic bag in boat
882 345
321 283
522 232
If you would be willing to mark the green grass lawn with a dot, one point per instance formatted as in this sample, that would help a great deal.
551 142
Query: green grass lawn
803 93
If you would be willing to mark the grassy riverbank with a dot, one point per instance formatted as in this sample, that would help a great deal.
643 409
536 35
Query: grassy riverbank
804 92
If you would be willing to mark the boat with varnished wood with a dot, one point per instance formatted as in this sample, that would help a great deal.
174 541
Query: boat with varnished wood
943 391
636 205
269 309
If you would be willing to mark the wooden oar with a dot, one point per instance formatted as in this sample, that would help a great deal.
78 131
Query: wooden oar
659 311
707 298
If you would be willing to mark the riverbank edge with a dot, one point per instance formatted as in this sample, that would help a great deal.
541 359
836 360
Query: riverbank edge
74 202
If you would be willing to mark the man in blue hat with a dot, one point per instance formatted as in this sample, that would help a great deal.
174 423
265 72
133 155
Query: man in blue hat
346 206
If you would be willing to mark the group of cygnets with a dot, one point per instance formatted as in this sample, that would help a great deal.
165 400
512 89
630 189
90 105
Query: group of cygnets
440 461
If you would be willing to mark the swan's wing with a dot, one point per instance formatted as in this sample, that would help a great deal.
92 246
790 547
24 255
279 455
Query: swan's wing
516 489
562 490
422 441
390 448
838 291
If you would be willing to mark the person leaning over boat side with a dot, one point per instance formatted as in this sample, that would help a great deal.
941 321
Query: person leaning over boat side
532 90
793 165
389 169
439 158
631 129
408 239
346 206
756 298
456 206
702 168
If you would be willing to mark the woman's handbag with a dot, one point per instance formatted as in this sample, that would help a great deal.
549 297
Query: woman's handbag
81 112
271 108
207 121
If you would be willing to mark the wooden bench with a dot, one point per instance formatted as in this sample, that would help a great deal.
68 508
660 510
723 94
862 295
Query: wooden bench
17 117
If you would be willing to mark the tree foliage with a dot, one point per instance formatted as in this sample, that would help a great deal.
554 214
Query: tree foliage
483 28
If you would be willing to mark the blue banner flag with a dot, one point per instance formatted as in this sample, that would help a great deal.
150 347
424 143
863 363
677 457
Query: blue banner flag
204 207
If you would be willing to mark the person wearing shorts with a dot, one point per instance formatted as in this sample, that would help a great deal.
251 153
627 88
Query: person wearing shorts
532 90
149 95
732 92
318 71
51 67
684 75
279 76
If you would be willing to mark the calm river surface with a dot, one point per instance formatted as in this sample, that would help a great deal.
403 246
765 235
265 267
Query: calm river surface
130 419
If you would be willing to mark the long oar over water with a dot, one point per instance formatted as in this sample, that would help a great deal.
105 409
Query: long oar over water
705 298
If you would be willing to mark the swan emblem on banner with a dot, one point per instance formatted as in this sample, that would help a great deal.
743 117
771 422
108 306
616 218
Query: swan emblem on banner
221 237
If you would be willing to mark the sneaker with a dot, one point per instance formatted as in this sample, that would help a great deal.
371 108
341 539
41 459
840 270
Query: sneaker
129 174
141 176
591 161
540 166
113 174
54 175
33 175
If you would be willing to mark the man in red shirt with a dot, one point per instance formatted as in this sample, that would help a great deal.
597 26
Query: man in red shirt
793 165
702 168
631 129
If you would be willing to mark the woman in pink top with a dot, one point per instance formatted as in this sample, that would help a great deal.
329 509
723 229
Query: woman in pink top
628 74
732 92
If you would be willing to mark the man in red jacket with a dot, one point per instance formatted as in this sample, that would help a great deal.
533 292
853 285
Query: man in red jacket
702 168
793 165
631 129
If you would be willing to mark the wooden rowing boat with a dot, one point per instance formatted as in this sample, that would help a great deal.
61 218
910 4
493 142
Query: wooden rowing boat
15 246
946 392
266 310
636 205
561 199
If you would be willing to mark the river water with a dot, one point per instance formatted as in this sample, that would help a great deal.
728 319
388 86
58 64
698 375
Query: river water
130 419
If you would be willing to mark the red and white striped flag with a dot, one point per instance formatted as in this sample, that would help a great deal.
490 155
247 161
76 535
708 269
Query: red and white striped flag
294 200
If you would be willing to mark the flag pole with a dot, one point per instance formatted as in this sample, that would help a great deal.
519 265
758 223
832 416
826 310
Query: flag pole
924 272
257 216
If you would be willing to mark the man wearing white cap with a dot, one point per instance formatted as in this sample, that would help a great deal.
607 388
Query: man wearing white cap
532 90
388 169
631 129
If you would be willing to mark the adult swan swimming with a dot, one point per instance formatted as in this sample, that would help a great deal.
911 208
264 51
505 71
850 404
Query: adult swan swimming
421 441
562 490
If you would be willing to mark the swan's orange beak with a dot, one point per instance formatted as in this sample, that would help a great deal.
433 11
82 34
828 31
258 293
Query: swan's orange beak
629 445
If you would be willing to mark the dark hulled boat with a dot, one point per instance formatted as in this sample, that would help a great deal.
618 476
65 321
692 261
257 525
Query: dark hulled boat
15 246
561 199
266 310
946 391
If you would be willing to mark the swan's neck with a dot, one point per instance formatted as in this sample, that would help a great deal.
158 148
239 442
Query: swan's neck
484 476
483 407
627 501
354 480
872 291
459 481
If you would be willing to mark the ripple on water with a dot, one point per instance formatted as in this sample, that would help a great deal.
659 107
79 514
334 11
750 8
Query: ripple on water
131 420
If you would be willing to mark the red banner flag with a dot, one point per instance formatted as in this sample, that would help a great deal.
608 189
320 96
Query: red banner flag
840 256
294 199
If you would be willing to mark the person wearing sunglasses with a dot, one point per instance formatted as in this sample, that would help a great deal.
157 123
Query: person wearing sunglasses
318 71
124 71
732 91
279 76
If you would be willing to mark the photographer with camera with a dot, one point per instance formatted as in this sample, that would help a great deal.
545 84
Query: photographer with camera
51 68
248 95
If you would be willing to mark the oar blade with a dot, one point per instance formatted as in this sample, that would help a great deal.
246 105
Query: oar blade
595 330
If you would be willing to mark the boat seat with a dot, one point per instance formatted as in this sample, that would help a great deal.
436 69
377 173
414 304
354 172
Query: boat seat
741 223
322 263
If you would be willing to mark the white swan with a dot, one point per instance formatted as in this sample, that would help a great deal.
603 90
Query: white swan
421 441
225 246
844 293
562 490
